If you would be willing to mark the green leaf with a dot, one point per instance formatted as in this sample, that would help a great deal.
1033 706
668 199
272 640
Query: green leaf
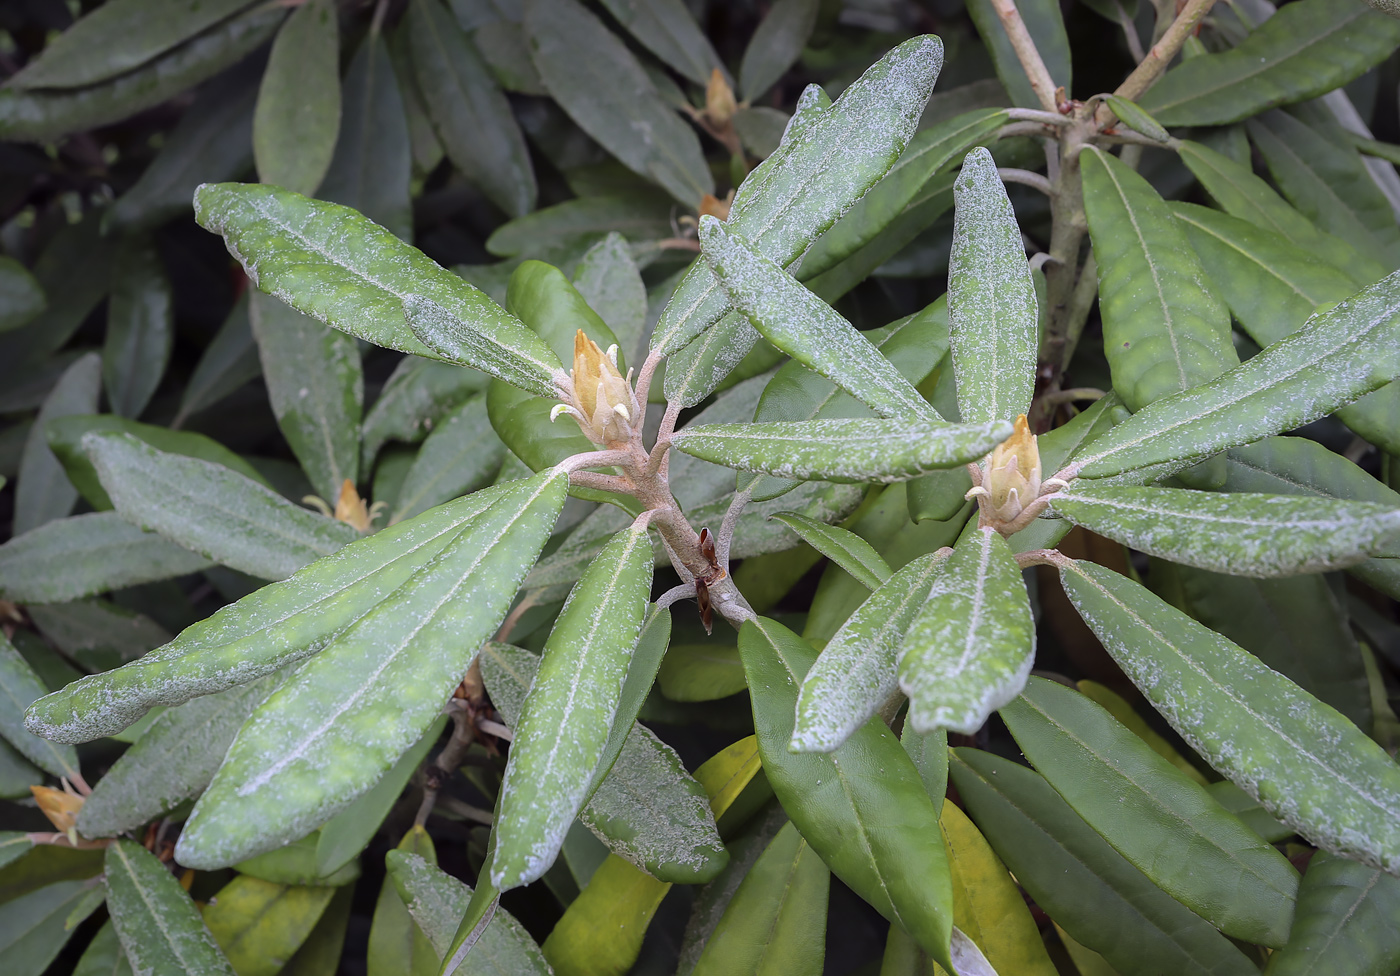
43 492
776 45
1135 117
118 37
640 216
1313 48
140 329
855 675
1167 825
1046 24
296 864
586 658
256 531
21 295
17 775
336 266
822 168
265 631
14 844
1296 626
298 112
702 672
373 159
930 152
346 834
1240 193
375 687
213 141
1163 331
668 29
83 555
459 455
174 761
862 807
104 955
65 435
970 648
1345 922
19 687
806 328
854 450
611 97
260 925
1247 808
610 283
992 310
320 954
316 386
438 901
1325 178
1083 883
1301 759
33 927
418 394
776 921
159 927
469 113
46 115
229 361
397 946
841 546
1242 534
1336 357
914 345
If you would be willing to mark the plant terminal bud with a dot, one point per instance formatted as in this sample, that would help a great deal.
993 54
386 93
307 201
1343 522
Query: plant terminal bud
600 397
1012 477
719 99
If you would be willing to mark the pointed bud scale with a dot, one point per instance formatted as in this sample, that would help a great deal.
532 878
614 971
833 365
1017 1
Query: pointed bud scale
719 99
1013 472
601 398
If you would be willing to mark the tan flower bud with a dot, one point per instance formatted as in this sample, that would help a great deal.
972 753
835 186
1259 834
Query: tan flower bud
1012 477
351 509
60 806
719 99
713 206
600 397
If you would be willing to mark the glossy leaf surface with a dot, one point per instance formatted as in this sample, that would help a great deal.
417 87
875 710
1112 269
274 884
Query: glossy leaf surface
881 840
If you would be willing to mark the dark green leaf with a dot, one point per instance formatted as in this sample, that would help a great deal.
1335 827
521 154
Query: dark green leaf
33 928
1345 922
418 394
140 329
229 361
19 687
461 454
298 111
21 296
1045 23
43 491
669 31
776 45
158 924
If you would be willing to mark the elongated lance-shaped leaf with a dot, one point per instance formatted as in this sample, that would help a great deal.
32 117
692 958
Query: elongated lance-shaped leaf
1164 331
1242 534
83 555
992 313
775 924
1312 48
43 492
842 546
1338 356
856 673
856 450
969 650
862 807
1345 924
173 761
261 633
1080 881
806 328
373 690
19 687
211 510
822 168
1301 759
158 924
579 684
341 268
437 901
1166 824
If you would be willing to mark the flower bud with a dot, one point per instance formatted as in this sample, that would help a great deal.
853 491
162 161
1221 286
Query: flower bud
1012 476
719 99
600 398
60 806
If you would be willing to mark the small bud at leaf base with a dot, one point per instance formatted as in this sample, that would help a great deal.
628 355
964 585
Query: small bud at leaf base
59 806
601 399
1012 476
719 99
350 508
713 206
